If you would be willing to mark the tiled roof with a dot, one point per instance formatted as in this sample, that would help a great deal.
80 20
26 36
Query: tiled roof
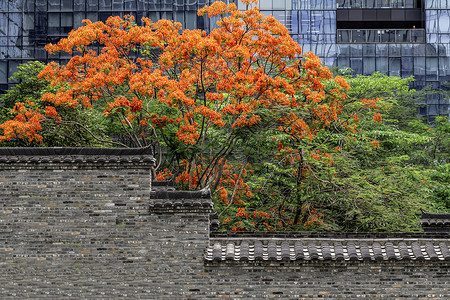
164 197
75 155
440 220
376 249
50 151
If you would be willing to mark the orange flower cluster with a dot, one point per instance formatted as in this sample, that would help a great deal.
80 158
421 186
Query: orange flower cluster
246 75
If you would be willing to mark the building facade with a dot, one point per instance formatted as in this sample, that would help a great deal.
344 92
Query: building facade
397 37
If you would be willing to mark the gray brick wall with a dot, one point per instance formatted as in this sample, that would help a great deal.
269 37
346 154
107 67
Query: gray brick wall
84 230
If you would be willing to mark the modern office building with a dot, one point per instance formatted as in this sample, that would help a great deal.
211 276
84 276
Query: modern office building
396 37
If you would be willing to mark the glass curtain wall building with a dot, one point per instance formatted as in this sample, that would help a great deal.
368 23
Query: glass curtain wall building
396 37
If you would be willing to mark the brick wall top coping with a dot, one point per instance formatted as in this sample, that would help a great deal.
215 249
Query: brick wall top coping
50 151
168 199
328 246
29 155
435 220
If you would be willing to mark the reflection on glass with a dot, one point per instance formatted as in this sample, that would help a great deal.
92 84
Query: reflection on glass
372 36
344 36
359 36
387 36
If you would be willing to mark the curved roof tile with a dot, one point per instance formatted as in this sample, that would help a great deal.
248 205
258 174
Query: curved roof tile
328 249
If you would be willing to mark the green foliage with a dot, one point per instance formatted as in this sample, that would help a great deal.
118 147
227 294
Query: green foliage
80 125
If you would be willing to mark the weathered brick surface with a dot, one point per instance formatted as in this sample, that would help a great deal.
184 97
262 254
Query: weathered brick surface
78 230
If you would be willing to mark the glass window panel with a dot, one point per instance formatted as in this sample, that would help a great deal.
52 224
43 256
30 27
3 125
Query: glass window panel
54 23
432 68
372 36
15 24
397 3
407 50
29 6
344 36
329 22
329 4
387 36
382 50
281 16
12 68
358 36
316 4
419 66
279 4
304 21
53 20
369 65
432 21
131 4
382 64
419 50
28 21
382 3
356 3
40 53
66 20
368 50
3 68
67 5
431 50
4 5
418 36
78 17
265 4
433 98
444 109
92 6
3 52
167 15
343 62
142 5
443 49
92 16
329 62
79 5
15 52
407 66
444 38
444 68
433 38
409 3
356 50
444 21
104 5
341 3
369 4
294 22
14 5
329 38
3 24
54 5
356 65
403 36
117 5
305 4
331 50
394 66
432 110
166 4
395 50
344 50
41 5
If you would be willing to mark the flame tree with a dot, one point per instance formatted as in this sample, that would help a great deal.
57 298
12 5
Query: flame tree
216 107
